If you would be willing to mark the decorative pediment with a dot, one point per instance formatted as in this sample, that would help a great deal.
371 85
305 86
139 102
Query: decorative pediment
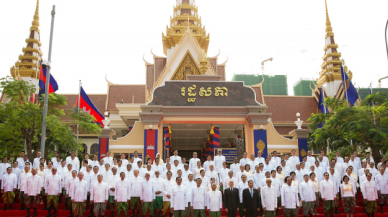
187 66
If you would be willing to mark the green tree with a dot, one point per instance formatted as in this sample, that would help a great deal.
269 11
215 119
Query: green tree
348 128
21 121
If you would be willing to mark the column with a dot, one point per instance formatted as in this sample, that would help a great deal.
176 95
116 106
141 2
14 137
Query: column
301 136
103 140
257 120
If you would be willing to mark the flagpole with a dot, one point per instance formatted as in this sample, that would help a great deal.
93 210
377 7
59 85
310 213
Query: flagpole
79 103
43 138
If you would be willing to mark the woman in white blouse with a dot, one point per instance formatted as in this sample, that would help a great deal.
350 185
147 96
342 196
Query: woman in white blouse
41 174
248 172
198 169
348 194
160 159
316 188
280 175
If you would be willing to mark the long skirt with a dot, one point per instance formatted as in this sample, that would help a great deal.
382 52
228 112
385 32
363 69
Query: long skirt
78 209
349 204
308 207
316 204
8 197
121 207
370 207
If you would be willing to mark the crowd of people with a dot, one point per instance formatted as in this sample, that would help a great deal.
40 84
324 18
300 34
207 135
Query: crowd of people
250 186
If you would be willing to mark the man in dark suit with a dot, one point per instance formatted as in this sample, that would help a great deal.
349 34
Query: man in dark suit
251 200
231 199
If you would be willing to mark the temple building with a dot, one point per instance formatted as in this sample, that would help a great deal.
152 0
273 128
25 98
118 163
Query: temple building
187 104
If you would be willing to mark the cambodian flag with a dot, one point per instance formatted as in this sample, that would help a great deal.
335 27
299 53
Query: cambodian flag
87 105
53 86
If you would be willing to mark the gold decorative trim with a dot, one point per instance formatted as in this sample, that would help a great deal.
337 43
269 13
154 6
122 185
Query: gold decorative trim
187 66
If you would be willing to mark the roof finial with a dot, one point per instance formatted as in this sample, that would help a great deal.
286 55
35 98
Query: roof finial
35 22
329 30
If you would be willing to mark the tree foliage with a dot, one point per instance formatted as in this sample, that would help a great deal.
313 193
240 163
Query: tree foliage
21 121
352 128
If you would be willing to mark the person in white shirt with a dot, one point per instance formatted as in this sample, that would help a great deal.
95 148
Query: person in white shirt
122 195
198 199
369 193
207 163
354 164
257 177
52 186
275 159
135 192
307 196
372 169
348 194
73 160
382 187
36 160
167 163
87 159
101 165
268 166
99 196
294 160
69 183
56 154
120 167
175 167
78 193
106 173
340 160
168 184
158 185
179 199
214 201
245 159
22 185
241 186
20 160
218 160
57 162
252 163
108 159
183 162
64 176
136 158
306 164
277 184
223 173
128 172
235 167
32 188
209 187
186 172
95 161
93 177
212 174
310 158
363 177
337 181
123 160
269 199
8 187
328 194
290 200
229 178
240 173
259 159
315 183
16 170
112 183
189 184
368 157
157 166
149 170
84 165
147 196
176 157
193 163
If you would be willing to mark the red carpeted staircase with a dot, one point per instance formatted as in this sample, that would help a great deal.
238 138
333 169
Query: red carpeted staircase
64 213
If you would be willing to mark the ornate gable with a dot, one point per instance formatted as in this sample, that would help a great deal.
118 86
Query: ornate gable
187 66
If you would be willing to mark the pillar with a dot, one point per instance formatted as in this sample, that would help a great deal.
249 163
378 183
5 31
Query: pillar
103 141
301 136
257 120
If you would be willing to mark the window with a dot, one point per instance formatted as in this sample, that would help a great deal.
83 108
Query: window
94 149
85 149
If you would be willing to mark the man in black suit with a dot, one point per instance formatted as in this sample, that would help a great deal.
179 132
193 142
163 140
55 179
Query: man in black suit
251 200
231 199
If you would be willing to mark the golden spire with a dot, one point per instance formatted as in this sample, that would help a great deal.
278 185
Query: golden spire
329 29
35 22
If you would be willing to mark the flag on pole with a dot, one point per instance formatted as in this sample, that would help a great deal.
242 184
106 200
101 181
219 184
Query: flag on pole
216 137
350 91
53 86
87 105
321 106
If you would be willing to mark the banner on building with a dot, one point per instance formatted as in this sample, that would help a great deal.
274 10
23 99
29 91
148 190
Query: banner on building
150 144
260 141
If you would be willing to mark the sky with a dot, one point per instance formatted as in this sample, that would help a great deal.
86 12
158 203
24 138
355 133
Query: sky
95 38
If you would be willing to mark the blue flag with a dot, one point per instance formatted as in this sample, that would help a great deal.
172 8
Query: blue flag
350 91
321 106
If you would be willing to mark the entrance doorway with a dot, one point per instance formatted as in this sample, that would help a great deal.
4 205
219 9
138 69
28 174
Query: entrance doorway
189 138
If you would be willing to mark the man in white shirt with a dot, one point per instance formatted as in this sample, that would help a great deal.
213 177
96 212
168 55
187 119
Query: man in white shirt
245 159
310 158
186 172
179 200
122 192
269 199
259 159
52 186
286 170
57 162
8 187
218 160
212 174
84 165
20 160
229 178
123 160
176 166
235 167
176 157
240 173
368 157
168 184
136 158
158 185
214 201
112 183
36 160
189 184
354 164
357 159
241 186
193 162
69 183
306 164
207 163
294 160
290 200
108 159
328 194
307 196
93 177
73 160
382 188
135 192
120 167
369 193
128 172
79 193
106 173
223 173
198 199
252 163
157 166
257 177
147 196
99 196
339 158
95 161
22 185
276 159
16 170
268 166
323 163
56 154
32 189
